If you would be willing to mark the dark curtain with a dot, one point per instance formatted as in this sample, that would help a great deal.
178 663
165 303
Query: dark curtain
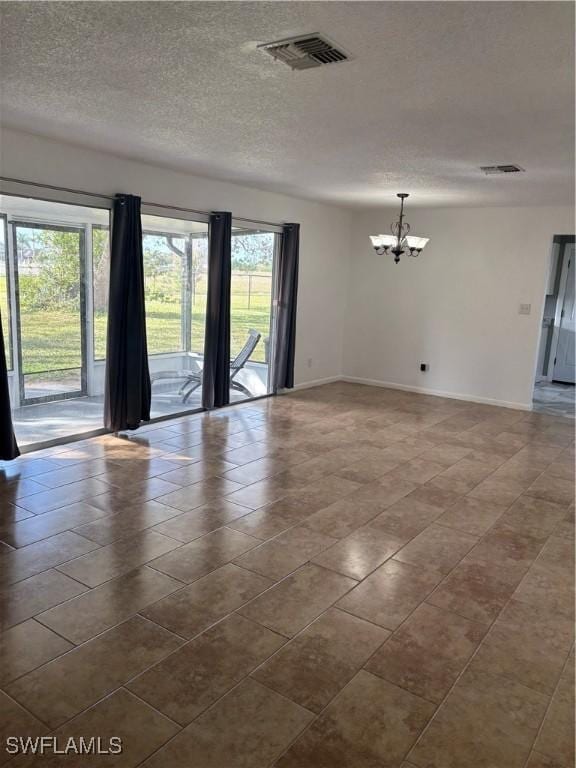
286 313
8 447
127 390
216 371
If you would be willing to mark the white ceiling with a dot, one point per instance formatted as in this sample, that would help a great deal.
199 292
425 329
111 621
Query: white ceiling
434 90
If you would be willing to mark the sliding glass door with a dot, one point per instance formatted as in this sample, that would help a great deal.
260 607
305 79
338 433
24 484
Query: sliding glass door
50 291
252 312
54 285
175 285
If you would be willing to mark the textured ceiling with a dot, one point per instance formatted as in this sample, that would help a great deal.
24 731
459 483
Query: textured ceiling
434 90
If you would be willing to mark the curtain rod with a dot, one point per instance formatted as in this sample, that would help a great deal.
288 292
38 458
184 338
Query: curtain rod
150 205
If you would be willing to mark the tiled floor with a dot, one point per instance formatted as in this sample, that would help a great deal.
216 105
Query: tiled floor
345 577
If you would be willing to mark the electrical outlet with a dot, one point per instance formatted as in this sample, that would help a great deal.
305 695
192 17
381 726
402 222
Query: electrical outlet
524 309
424 367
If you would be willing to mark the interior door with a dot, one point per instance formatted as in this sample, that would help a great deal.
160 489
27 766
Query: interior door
51 311
564 363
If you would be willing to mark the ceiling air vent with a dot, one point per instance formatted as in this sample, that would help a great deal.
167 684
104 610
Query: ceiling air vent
305 51
490 170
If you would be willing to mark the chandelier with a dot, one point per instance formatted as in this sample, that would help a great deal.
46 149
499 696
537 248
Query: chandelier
400 243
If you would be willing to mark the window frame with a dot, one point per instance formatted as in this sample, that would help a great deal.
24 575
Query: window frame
8 323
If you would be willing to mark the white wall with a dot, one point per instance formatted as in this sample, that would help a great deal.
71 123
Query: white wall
456 306
325 230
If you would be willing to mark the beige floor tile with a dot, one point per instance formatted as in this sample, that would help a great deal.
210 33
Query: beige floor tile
27 561
196 607
285 553
486 721
199 557
417 471
445 454
547 587
462 477
405 519
197 471
556 739
249 728
385 491
117 558
366 470
65 495
334 487
128 522
121 715
360 553
191 525
241 456
204 669
533 516
117 498
297 600
64 687
558 553
254 471
434 497
553 489
508 547
500 491
471 516
343 517
72 473
528 644
313 667
305 540
476 590
16 722
186 499
139 469
370 723
390 594
27 646
26 598
428 652
262 523
115 601
437 547
24 532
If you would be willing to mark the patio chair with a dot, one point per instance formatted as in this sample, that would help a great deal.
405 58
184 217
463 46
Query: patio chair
193 379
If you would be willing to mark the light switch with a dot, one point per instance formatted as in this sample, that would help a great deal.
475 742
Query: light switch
524 309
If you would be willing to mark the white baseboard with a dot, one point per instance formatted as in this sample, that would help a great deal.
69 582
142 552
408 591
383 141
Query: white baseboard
316 383
437 393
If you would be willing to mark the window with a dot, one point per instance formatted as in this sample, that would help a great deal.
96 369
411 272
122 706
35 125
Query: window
165 288
175 284
100 286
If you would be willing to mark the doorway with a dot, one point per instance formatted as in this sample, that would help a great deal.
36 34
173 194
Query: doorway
554 390
564 363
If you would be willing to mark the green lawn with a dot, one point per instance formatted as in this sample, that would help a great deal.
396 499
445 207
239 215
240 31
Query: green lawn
51 339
